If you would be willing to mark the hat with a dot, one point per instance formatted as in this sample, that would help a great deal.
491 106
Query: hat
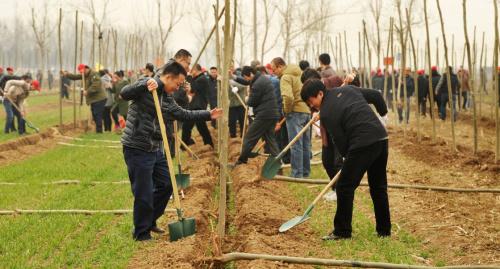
81 68
498 68
421 72
36 85
434 68
10 69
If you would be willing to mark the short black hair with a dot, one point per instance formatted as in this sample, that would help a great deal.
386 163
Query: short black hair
213 67
262 69
182 53
311 89
197 67
309 73
247 70
175 69
324 58
304 65
26 77
150 67
120 73
278 61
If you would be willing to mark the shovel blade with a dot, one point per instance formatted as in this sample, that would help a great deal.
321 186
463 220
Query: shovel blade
183 180
292 223
182 228
271 167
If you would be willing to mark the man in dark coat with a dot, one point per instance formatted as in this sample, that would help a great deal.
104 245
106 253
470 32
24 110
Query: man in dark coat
423 91
212 93
199 101
410 89
435 77
142 145
442 89
378 81
265 107
361 138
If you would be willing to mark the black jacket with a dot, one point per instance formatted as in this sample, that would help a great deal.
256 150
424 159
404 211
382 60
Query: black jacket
435 79
200 88
142 130
5 78
263 99
443 87
410 87
212 92
349 120
423 87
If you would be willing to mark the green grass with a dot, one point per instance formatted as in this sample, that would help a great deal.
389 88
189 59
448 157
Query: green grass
66 240
365 244
43 112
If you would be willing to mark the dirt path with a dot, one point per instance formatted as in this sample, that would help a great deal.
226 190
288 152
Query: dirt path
27 146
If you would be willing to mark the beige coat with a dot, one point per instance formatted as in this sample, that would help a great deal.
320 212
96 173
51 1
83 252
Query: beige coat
17 91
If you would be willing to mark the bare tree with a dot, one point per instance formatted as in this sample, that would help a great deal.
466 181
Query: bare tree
376 11
99 19
175 12
269 11
42 30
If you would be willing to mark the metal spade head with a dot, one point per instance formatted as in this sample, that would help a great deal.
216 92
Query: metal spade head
271 167
183 180
182 228
296 221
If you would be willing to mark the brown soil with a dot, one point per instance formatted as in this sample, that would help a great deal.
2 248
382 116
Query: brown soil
30 145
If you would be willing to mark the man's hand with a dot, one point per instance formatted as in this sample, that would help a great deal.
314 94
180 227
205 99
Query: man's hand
23 113
315 117
216 113
187 87
84 93
152 84
277 128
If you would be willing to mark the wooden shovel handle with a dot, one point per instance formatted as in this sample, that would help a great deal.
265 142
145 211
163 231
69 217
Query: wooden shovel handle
170 163
296 138
333 181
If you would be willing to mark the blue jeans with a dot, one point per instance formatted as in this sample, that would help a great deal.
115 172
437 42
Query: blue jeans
444 102
97 109
300 157
151 187
9 119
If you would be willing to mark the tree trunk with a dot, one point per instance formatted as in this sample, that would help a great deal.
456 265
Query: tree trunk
415 78
75 61
496 102
60 61
448 75
431 90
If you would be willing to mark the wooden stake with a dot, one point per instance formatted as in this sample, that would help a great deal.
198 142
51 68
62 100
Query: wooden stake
60 63
415 78
76 59
369 56
429 62
496 102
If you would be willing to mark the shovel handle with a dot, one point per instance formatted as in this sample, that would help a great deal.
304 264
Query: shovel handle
170 163
328 186
177 146
296 138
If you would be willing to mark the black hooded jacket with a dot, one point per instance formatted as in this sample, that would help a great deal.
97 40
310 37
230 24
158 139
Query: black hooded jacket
262 98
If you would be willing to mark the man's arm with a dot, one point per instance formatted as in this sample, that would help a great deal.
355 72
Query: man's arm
134 90
287 93
375 98
73 76
173 110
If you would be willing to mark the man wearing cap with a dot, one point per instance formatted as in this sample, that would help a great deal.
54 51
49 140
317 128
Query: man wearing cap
10 71
93 92
423 91
16 92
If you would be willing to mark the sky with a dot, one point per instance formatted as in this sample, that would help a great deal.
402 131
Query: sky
135 13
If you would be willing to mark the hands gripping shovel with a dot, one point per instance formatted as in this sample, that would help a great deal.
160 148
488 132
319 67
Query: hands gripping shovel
184 227
300 219
273 164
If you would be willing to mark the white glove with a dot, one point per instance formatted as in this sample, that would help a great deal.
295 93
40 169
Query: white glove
383 120
235 90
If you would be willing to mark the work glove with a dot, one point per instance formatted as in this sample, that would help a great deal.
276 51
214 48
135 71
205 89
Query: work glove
235 90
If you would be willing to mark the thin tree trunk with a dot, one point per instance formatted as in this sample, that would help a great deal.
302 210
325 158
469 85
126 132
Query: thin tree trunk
346 52
431 90
481 75
369 56
496 102
60 63
81 83
448 76
393 82
415 78
386 70
76 59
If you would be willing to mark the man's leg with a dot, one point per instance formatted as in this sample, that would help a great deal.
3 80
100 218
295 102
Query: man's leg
283 140
408 104
232 121
241 118
9 118
442 108
97 111
106 118
355 165
270 139
255 132
140 165
21 124
293 124
377 179
162 186
306 147
204 132
187 128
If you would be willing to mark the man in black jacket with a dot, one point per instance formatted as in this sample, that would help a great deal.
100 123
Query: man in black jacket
199 101
423 91
410 89
361 138
212 94
442 90
142 148
265 108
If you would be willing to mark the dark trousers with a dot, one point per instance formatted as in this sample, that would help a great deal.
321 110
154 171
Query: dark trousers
331 159
283 142
187 128
371 159
422 102
107 116
236 115
21 124
260 128
97 109
151 187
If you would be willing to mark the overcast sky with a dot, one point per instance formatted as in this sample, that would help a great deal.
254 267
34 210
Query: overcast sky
134 13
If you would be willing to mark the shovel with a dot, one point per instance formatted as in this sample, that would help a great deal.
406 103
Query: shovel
300 219
273 164
184 227
183 180
259 147
28 123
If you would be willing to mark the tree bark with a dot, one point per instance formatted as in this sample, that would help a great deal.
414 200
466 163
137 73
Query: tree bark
431 90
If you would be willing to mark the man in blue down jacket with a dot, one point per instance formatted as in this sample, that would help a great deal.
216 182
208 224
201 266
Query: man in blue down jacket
265 107
142 145
361 138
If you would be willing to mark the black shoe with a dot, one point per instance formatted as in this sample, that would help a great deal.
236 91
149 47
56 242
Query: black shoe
253 155
384 235
334 237
157 230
